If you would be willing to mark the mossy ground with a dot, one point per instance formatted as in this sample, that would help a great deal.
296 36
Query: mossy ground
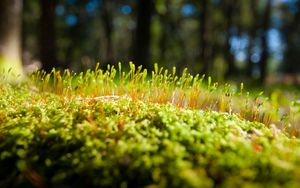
51 139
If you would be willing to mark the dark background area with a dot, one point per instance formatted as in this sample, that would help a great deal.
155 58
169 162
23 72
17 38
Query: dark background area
227 39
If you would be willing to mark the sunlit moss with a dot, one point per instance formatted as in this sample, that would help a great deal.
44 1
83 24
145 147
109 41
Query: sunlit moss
63 141
180 89
11 69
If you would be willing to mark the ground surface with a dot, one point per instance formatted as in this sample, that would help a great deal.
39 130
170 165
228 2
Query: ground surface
49 141
54 136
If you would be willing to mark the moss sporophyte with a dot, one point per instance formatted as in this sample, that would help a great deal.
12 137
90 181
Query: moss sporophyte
160 86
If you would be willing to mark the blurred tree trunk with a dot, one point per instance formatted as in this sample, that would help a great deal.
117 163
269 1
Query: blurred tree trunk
108 29
171 44
204 36
165 25
265 27
10 34
291 31
47 35
229 14
143 32
163 42
252 35
76 34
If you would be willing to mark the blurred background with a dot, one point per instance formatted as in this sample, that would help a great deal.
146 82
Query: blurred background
228 39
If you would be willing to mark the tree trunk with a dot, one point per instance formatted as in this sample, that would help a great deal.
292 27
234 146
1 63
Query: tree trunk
47 35
205 46
291 31
264 40
10 42
229 13
108 29
252 34
165 25
143 33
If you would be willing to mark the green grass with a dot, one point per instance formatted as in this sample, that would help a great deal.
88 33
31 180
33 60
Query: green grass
128 129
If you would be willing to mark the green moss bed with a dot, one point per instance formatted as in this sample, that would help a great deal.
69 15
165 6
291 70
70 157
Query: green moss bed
48 140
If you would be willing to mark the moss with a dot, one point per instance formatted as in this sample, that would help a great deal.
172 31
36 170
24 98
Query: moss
11 69
54 141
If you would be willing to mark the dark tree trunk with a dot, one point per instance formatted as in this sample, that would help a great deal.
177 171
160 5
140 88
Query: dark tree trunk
252 35
264 40
47 35
10 34
143 33
165 24
229 13
77 35
170 38
249 67
291 30
108 29
204 36
163 40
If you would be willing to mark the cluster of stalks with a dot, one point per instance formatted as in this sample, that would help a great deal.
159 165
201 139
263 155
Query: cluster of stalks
163 86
